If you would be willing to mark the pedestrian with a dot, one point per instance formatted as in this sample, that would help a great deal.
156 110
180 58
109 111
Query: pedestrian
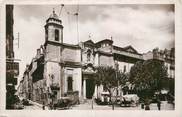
159 104
43 106
147 107
142 105
147 104
50 106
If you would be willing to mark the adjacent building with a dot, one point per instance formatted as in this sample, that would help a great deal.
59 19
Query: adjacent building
12 66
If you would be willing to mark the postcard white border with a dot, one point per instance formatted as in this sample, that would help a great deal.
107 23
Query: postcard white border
99 113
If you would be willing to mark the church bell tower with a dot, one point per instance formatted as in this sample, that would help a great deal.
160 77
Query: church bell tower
54 29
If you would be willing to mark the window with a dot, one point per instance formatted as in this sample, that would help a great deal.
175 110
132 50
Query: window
46 34
70 84
124 69
56 35
88 54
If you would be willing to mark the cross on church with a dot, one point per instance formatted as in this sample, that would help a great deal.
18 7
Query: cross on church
89 36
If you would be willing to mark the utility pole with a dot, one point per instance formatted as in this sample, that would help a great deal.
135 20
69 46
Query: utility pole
61 70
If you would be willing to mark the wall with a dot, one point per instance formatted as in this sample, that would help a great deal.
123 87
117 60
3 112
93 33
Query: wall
122 64
106 60
76 74
39 91
148 55
170 72
71 54
53 52
106 48
52 68
51 33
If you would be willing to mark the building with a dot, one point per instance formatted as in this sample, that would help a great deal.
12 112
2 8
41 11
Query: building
166 56
12 66
104 53
61 69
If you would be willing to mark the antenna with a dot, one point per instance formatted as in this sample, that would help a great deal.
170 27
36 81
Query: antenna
62 5
89 36
76 14
53 11
18 39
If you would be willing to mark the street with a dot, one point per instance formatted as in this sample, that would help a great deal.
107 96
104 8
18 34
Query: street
88 106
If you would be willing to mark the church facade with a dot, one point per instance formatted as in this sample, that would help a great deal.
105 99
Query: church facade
59 69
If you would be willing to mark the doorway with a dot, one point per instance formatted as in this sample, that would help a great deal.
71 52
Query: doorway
90 87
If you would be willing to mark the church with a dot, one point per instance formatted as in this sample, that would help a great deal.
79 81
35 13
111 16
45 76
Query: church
60 69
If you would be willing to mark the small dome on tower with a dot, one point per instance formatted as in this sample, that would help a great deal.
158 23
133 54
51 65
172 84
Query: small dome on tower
54 15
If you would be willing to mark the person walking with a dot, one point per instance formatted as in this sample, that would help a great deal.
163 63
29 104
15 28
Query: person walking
43 105
159 104
147 104
147 107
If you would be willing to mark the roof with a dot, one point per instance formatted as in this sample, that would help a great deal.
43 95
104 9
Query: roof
105 40
54 15
89 42
127 49
130 48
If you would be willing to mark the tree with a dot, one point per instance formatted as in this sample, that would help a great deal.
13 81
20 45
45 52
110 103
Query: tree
110 78
106 76
148 77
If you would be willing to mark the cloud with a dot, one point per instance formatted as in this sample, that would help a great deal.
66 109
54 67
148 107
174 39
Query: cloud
31 37
134 26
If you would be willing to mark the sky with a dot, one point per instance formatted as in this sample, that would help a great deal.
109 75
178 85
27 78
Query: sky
143 26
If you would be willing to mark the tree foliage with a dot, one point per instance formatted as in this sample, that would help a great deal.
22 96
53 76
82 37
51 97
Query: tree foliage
106 76
109 77
148 76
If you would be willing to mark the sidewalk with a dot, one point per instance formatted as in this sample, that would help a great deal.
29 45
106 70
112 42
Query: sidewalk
39 105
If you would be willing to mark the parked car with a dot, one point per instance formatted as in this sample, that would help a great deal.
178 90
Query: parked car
104 98
25 102
18 106
63 103
129 100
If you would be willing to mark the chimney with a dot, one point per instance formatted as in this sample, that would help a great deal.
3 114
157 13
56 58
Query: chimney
38 52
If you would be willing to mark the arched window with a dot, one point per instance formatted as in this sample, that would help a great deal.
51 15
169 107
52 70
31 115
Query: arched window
56 35
88 54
